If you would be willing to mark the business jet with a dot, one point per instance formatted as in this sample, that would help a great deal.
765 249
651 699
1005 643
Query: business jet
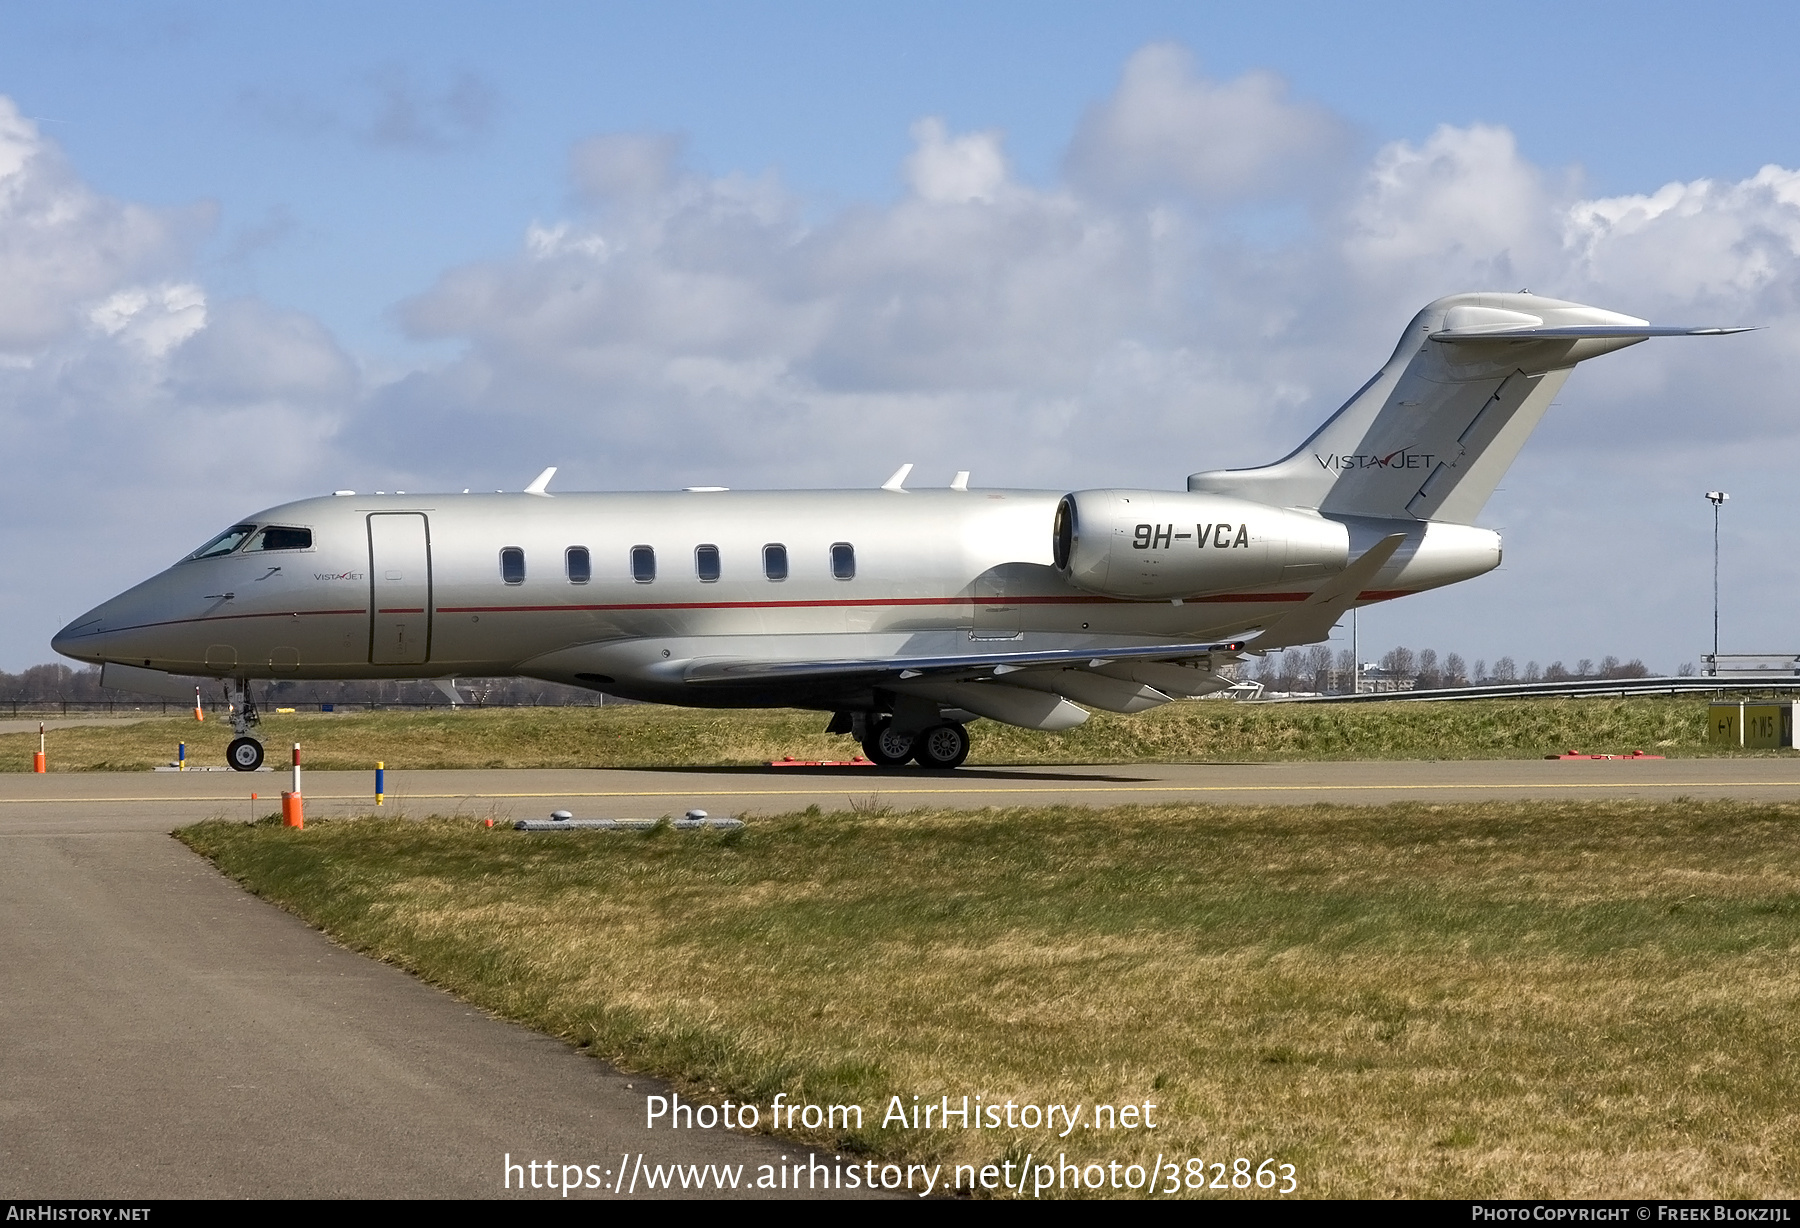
905 613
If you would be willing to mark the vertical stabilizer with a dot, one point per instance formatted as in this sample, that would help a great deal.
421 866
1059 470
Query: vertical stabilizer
1431 435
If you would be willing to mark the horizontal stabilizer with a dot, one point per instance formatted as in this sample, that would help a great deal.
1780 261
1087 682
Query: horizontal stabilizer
1579 332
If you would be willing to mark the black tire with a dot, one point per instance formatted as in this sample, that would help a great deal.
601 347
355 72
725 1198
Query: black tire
244 754
885 747
942 746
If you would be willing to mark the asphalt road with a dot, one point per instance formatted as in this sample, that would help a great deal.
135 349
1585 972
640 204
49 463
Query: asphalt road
168 1035
159 801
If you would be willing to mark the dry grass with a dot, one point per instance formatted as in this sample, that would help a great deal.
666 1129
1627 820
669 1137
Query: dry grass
651 736
1518 1000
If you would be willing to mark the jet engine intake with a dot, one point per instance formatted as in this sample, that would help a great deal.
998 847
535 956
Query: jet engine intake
1170 544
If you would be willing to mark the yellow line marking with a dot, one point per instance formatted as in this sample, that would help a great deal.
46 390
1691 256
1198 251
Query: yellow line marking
1413 788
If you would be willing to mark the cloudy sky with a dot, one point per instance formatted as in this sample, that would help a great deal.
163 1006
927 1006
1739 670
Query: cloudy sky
249 254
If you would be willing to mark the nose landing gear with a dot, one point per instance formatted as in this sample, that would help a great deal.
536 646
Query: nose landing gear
245 754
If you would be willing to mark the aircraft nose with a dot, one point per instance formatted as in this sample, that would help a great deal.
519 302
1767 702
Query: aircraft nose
81 639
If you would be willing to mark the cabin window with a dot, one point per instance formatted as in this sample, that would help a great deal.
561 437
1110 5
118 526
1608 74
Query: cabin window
512 565
643 564
577 563
775 561
843 561
706 563
225 542
278 537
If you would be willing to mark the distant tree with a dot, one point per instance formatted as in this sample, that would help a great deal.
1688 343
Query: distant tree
1584 668
1398 662
1278 671
1633 668
1685 670
1318 668
1505 670
1454 674
57 683
1430 676
1532 673
1556 672
1608 667
1479 673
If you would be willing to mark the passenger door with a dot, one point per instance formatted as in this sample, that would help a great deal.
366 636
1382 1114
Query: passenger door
399 588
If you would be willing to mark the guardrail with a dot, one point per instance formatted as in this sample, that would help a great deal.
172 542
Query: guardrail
1750 665
1526 690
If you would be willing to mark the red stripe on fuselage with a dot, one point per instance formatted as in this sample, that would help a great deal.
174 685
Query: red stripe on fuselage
1229 599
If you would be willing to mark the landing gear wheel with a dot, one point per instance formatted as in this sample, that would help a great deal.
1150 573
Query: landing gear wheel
942 746
886 747
244 754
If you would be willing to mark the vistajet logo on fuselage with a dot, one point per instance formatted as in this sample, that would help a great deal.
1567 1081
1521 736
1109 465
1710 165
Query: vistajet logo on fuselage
1401 459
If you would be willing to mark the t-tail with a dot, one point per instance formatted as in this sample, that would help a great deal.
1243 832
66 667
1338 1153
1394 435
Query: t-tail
1431 435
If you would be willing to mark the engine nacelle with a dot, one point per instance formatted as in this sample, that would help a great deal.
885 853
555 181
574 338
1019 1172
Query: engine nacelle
1166 544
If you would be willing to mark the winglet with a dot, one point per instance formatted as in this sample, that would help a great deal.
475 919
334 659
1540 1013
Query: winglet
897 483
960 481
1313 620
540 485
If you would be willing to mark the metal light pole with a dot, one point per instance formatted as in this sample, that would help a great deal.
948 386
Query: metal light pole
1716 497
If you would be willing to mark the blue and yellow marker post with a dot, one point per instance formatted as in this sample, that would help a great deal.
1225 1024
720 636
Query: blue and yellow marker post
380 780
181 756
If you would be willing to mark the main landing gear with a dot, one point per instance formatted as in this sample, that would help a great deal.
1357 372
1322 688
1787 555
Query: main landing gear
245 754
941 746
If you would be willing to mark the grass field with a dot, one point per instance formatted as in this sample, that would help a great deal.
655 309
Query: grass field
1519 1000
651 736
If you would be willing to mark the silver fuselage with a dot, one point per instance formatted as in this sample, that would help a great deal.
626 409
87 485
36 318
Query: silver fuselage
402 586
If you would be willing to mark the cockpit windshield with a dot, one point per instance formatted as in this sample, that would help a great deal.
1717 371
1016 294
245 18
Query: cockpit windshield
281 537
225 542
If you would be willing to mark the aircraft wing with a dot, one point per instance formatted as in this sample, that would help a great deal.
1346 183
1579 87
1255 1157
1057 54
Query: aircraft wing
996 664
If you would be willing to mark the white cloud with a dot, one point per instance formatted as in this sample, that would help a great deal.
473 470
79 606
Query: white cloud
954 171
1730 243
155 319
1464 208
62 245
386 108
1169 130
